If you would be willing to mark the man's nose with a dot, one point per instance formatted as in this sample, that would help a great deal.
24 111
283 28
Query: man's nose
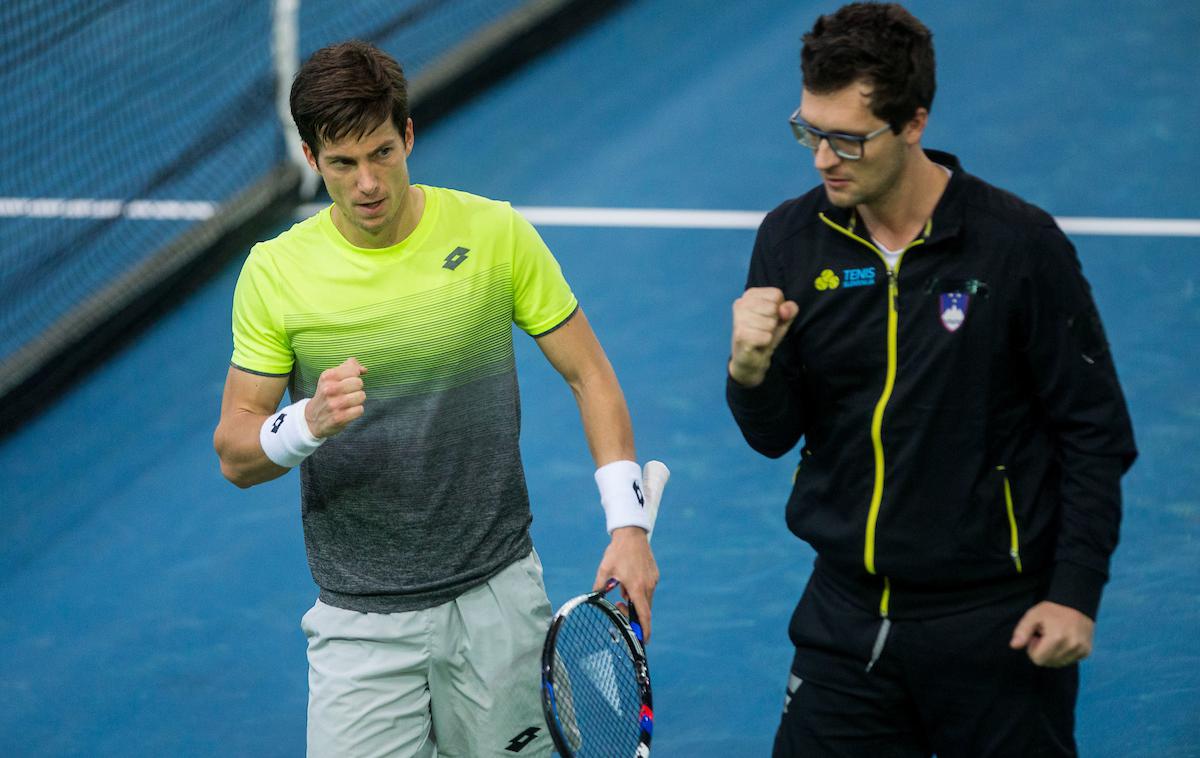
365 181
824 158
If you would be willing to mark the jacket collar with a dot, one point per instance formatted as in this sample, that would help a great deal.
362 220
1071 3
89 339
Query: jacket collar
947 215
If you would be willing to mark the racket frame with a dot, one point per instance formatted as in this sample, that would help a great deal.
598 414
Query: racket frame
640 666
654 479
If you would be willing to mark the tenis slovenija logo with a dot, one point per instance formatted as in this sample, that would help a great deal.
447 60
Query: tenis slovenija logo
827 280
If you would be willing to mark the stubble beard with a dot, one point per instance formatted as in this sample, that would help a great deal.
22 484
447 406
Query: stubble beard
857 195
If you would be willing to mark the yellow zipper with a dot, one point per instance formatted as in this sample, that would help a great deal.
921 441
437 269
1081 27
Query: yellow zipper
888 385
1014 545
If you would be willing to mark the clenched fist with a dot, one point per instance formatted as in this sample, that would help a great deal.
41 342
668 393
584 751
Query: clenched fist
760 319
338 401
1054 635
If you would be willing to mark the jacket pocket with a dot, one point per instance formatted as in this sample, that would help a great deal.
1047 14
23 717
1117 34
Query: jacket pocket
1014 534
813 514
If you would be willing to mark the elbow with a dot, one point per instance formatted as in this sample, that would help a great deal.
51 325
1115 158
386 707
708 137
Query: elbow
771 451
233 473
771 447
236 477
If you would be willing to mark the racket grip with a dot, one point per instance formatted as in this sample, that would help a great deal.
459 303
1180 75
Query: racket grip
635 624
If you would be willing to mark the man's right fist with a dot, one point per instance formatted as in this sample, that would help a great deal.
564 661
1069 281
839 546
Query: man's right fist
760 319
338 401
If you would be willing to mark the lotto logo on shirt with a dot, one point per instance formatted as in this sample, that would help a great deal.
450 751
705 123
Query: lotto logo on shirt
858 277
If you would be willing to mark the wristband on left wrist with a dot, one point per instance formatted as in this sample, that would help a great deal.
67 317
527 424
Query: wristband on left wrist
622 496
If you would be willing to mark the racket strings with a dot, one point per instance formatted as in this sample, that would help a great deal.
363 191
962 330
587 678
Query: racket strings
597 697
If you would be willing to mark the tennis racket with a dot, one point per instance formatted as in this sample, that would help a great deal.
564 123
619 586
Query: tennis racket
595 680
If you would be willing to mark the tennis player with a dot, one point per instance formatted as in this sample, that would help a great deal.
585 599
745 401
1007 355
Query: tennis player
934 342
388 318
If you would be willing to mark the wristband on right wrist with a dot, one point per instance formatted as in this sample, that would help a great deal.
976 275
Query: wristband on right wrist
286 438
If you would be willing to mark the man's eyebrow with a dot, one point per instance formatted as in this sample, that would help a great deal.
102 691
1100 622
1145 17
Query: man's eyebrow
341 157
846 132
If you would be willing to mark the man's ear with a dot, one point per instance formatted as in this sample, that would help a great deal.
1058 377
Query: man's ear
915 128
310 156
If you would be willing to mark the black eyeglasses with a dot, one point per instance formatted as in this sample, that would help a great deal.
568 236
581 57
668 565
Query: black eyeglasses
847 146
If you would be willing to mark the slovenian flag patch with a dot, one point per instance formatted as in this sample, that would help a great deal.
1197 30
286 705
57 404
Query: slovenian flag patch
953 306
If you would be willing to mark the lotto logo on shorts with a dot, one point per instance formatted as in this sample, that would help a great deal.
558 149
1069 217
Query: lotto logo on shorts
522 740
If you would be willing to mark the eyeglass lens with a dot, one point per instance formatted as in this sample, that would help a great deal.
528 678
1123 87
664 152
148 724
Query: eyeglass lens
845 148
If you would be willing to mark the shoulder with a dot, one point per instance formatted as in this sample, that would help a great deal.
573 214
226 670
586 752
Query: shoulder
293 244
1027 237
792 218
1004 214
456 202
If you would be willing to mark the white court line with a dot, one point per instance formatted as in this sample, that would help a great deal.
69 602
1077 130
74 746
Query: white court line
56 207
658 218
664 218
1131 227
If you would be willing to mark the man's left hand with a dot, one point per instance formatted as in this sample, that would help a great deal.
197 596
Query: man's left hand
628 560
1054 635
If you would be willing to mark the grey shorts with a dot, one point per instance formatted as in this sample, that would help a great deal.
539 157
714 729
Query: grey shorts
459 679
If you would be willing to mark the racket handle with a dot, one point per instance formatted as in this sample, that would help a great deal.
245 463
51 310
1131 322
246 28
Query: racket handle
635 624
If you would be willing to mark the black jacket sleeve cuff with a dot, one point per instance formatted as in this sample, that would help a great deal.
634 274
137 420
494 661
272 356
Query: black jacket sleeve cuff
1076 587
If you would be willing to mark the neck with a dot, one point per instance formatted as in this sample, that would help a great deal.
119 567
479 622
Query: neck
899 216
410 214
406 221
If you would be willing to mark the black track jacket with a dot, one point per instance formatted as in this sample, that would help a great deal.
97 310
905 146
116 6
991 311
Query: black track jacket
964 430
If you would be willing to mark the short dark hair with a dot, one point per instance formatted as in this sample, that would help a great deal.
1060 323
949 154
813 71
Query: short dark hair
347 89
881 43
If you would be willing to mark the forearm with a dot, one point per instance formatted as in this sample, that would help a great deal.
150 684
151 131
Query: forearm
1075 379
1088 530
576 354
609 433
243 461
769 414
605 416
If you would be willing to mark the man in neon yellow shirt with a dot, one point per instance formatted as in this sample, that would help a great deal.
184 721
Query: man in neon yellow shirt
388 316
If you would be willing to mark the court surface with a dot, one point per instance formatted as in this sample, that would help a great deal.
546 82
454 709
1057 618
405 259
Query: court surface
151 608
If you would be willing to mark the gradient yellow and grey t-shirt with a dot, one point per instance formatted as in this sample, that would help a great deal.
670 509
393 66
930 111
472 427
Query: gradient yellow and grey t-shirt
424 496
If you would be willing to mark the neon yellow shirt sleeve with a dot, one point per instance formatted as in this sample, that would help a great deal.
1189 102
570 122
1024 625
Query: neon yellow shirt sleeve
542 299
260 343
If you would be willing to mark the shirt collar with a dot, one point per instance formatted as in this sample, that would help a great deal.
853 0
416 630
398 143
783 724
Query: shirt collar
947 215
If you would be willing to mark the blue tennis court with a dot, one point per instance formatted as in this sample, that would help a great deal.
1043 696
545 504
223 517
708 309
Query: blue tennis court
151 608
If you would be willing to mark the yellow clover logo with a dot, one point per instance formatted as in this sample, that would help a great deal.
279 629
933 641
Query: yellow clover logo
827 280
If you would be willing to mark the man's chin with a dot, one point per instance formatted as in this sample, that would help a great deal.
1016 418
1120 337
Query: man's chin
371 223
840 199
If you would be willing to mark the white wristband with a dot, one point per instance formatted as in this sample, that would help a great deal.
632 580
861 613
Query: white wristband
285 436
621 494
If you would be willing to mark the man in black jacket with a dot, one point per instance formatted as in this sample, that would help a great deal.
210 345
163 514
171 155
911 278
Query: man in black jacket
934 342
